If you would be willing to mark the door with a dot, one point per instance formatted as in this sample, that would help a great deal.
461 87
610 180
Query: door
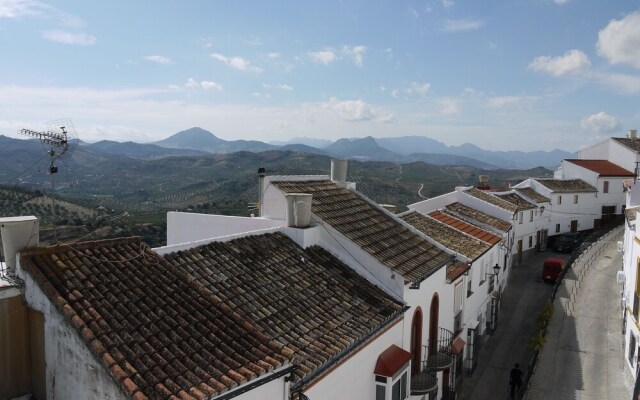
519 251
416 341
36 354
434 310
574 226
538 236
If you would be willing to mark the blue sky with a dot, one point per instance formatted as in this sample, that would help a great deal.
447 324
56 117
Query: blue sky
504 75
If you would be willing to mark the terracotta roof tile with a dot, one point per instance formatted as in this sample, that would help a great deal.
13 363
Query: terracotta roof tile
632 144
491 199
533 195
566 185
376 232
602 167
465 227
456 270
304 298
103 289
474 216
521 203
447 236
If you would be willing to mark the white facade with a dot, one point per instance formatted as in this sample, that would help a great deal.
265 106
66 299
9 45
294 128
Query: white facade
612 151
631 284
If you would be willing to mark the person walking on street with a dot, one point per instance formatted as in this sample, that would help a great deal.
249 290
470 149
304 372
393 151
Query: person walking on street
515 380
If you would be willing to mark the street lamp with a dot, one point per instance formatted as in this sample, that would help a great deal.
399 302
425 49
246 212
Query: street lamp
496 269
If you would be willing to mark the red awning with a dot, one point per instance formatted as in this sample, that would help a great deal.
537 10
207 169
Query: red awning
458 345
391 361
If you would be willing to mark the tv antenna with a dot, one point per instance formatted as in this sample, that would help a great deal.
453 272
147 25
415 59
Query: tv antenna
59 140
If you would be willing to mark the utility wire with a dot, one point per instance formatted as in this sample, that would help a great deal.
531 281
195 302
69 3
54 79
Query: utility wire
25 170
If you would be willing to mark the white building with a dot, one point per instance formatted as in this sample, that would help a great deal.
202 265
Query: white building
607 177
624 152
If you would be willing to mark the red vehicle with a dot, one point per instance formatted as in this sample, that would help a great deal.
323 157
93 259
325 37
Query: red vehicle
551 269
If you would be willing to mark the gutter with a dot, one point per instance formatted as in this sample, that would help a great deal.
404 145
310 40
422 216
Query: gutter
323 368
256 383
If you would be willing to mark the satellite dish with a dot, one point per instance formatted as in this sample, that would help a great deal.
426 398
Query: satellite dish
59 140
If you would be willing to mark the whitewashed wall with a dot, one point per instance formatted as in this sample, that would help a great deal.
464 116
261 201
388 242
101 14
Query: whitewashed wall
72 372
622 156
354 378
435 203
190 227
277 389
598 151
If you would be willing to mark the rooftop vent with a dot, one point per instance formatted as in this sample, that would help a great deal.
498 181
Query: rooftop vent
298 209
633 134
17 233
338 170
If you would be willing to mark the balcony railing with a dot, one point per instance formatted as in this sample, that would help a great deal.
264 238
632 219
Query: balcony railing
425 381
440 354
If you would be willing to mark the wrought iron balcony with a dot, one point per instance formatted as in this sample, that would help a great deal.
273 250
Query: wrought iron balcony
440 354
425 381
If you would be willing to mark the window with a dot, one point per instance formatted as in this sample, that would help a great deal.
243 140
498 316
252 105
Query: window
458 297
530 241
483 273
520 217
575 199
399 388
530 215
381 387
557 228
632 347
559 199
605 187
469 285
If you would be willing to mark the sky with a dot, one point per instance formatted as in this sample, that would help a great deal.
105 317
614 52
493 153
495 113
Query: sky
504 75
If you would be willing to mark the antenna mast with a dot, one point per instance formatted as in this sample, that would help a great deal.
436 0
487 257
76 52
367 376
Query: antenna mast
57 139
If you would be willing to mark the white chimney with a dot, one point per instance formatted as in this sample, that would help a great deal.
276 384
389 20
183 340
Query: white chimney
338 170
261 174
18 233
633 134
298 209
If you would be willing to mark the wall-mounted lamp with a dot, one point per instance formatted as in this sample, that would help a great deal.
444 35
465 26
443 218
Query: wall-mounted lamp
541 209
496 271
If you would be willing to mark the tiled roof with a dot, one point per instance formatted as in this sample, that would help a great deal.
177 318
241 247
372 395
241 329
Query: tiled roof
465 227
602 167
490 198
513 198
304 298
159 334
447 236
456 270
374 231
633 144
467 213
533 195
566 185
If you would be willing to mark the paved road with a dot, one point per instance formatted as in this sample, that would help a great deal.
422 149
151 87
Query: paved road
583 357
526 294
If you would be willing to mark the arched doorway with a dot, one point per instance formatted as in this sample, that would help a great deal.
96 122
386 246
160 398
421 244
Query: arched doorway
416 340
434 310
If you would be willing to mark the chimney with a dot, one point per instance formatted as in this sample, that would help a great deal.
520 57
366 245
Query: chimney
338 170
483 182
18 233
633 134
261 174
389 207
298 209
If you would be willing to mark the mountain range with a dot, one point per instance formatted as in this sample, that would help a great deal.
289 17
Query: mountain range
402 149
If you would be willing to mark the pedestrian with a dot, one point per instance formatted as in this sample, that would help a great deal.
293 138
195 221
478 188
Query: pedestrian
515 380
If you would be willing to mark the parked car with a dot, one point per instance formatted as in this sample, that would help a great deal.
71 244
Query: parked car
551 269
567 242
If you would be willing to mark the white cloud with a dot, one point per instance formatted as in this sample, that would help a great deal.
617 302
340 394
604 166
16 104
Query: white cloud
619 41
273 55
174 87
16 9
351 110
419 88
462 25
572 62
621 83
236 62
64 37
394 93
561 2
207 85
503 101
449 107
356 53
285 87
447 4
601 123
324 57
159 59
